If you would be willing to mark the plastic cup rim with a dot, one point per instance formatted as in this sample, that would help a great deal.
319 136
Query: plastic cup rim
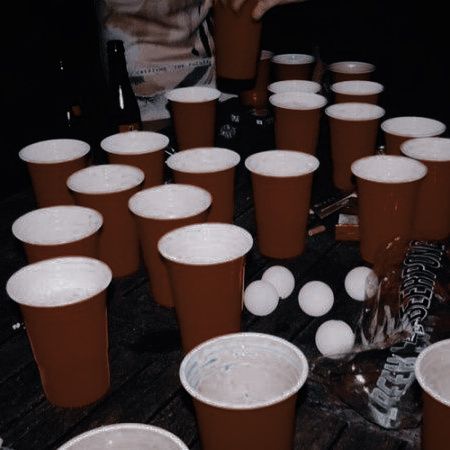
214 94
304 57
104 144
274 100
329 111
339 87
369 67
442 127
404 148
272 86
83 151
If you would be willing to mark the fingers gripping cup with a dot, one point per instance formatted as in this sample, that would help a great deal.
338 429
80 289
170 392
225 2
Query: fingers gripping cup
59 231
63 302
206 271
122 436
432 368
432 216
50 163
353 129
193 111
213 169
362 91
293 66
244 388
387 194
281 183
294 86
143 149
157 211
297 117
400 129
107 189
351 70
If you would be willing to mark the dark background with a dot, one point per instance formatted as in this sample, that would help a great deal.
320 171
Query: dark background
405 40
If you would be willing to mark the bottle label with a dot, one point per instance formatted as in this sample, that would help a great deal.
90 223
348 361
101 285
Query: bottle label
123 128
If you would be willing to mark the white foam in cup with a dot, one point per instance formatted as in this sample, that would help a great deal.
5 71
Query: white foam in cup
54 151
432 369
57 225
427 149
193 94
244 371
134 143
59 281
389 169
293 59
205 244
294 86
136 436
203 160
357 87
105 179
355 111
411 126
298 100
170 201
351 67
281 163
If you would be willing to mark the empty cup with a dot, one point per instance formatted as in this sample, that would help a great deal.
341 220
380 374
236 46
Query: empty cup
50 163
351 70
206 270
281 183
388 188
293 66
213 169
59 231
399 129
159 210
107 189
353 130
432 368
294 86
244 388
297 119
432 216
193 112
63 303
122 436
143 149
357 91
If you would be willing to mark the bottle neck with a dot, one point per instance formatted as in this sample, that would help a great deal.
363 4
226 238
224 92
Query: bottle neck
118 68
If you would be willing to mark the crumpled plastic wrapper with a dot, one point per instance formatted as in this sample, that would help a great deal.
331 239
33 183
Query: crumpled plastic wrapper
407 308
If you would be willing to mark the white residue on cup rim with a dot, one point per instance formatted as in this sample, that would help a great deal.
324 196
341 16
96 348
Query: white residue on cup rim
355 112
298 100
54 151
293 59
412 126
427 149
279 87
351 67
193 94
134 143
357 87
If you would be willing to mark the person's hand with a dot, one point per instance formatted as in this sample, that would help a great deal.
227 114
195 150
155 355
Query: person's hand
262 6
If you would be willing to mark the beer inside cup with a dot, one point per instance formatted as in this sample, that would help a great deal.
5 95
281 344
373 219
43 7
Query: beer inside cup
105 179
203 160
293 59
54 151
134 143
427 149
294 86
389 169
432 369
411 126
357 87
59 282
194 94
205 244
243 371
125 436
351 67
281 163
298 100
170 201
355 111
57 225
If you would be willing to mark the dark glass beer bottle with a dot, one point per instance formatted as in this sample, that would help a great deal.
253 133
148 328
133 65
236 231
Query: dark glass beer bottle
123 107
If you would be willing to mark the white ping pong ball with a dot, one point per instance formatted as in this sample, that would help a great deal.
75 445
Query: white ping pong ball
360 283
315 298
281 279
334 338
260 298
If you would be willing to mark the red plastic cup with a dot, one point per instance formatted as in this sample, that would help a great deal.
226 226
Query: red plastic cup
157 211
213 169
50 163
63 302
362 91
351 70
59 231
293 66
244 387
143 149
279 87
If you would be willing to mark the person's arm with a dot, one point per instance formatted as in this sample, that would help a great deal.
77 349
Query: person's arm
261 7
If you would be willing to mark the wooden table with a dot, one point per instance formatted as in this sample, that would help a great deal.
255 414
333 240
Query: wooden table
145 349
